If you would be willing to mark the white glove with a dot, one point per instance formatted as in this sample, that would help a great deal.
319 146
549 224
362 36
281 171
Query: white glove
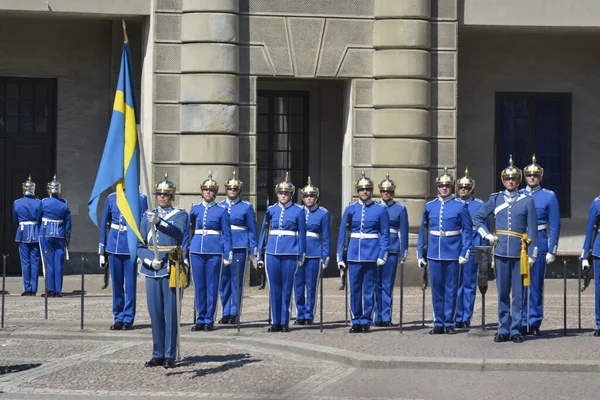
493 239
341 265
102 261
260 264
531 260
324 263
186 262
550 258
227 262
153 218
252 260
463 260
585 265
422 262
156 264
380 262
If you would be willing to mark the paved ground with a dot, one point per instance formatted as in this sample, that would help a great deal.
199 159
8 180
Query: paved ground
59 360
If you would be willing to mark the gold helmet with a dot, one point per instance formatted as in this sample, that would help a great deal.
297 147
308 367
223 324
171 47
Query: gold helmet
28 187
234 183
364 182
209 183
445 178
309 189
387 184
286 185
534 168
511 171
165 186
54 186
466 181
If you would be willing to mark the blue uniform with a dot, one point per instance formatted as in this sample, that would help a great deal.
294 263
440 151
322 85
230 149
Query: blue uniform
513 211
244 239
27 215
318 246
285 226
386 274
369 242
594 249
210 247
447 224
548 218
122 272
467 286
54 237
171 232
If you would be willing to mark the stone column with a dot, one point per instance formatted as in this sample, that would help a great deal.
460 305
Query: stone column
401 98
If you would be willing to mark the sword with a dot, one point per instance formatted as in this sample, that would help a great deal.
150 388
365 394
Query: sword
177 258
401 296
321 296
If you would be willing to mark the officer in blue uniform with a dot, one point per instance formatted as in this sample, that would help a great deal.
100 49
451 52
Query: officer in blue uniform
318 246
515 244
548 218
27 214
467 284
113 244
55 235
171 225
448 229
368 249
284 234
210 250
386 274
593 248
244 237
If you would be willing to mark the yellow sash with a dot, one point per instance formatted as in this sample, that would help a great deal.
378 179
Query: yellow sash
525 241
174 257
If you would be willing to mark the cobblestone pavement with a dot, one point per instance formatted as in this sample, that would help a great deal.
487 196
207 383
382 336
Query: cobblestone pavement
68 362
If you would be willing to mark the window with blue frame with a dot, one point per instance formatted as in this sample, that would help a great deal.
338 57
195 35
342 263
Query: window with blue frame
540 124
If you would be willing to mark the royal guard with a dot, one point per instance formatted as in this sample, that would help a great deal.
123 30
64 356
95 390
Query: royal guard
591 246
210 250
467 281
283 241
444 243
515 248
386 274
367 249
27 214
113 248
55 236
318 242
244 238
548 219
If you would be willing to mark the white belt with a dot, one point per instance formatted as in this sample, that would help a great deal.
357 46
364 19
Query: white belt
23 223
445 233
278 232
120 228
542 227
364 235
313 234
46 220
238 228
207 232
392 230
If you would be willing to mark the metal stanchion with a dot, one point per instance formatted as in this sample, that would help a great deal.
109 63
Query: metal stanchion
321 296
401 297
4 257
579 296
84 260
565 297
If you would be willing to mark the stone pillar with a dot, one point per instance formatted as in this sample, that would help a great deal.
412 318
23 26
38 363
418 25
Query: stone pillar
401 98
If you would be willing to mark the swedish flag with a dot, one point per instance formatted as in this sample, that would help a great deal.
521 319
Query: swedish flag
120 160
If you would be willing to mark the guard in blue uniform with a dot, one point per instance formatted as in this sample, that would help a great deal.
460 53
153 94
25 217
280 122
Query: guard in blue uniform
171 226
113 244
210 250
467 284
318 243
368 249
284 234
591 245
515 248
386 274
54 237
444 243
244 237
27 214
548 219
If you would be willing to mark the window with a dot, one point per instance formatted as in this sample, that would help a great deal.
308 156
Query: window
25 106
282 141
540 123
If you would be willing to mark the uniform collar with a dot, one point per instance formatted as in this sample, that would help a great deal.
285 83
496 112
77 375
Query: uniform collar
510 195
388 203
313 208
286 205
234 201
468 200
165 210
533 189
446 199
205 204
366 203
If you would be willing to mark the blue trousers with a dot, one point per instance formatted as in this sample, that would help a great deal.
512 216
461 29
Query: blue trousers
384 289
467 291
206 272
54 249
306 282
361 277
162 307
280 273
123 275
508 278
229 280
30 263
596 267
443 278
536 294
